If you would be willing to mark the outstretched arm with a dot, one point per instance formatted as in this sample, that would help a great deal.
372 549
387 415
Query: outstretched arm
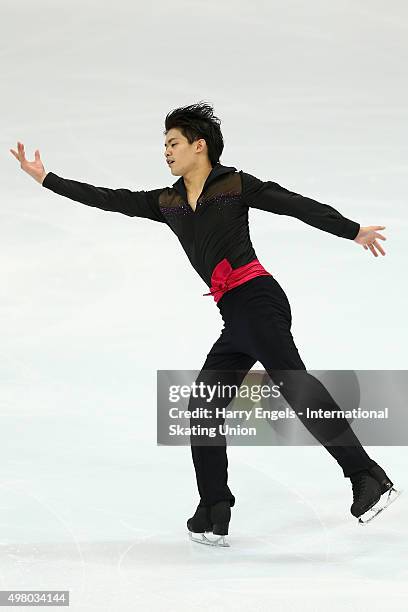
125 201
131 203
270 196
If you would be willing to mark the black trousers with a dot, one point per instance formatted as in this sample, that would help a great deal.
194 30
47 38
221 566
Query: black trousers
257 321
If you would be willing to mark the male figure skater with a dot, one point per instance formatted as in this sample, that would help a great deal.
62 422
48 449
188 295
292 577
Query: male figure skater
207 209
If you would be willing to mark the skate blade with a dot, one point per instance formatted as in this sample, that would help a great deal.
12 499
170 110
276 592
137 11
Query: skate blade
219 540
370 514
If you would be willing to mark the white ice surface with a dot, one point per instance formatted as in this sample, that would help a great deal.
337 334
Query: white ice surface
311 95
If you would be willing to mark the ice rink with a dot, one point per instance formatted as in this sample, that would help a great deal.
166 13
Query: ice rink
311 95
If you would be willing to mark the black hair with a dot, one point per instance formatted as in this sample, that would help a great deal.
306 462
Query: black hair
198 121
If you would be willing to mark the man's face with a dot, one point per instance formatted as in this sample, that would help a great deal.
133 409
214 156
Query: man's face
180 153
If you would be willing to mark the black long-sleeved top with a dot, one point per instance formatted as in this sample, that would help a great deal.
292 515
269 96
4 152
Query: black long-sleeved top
218 227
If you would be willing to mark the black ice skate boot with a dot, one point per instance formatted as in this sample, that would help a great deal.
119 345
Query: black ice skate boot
209 519
220 514
366 492
378 473
200 522
368 486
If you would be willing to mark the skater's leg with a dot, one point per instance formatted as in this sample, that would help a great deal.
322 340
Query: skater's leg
269 339
302 390
222 366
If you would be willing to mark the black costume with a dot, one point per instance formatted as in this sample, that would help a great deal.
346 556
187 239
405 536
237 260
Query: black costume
256 314
218 228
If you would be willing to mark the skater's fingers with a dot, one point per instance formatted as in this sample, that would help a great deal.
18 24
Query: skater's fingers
377 235
372 249
21 151
379 247
16 154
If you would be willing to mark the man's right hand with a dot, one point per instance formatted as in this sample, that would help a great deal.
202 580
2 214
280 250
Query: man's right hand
34 168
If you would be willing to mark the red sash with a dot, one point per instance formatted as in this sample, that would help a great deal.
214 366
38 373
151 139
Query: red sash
224 277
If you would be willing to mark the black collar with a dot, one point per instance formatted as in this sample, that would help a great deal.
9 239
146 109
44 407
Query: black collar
216 170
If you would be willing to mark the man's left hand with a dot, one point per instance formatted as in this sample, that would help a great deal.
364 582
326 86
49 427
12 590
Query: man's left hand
368 238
